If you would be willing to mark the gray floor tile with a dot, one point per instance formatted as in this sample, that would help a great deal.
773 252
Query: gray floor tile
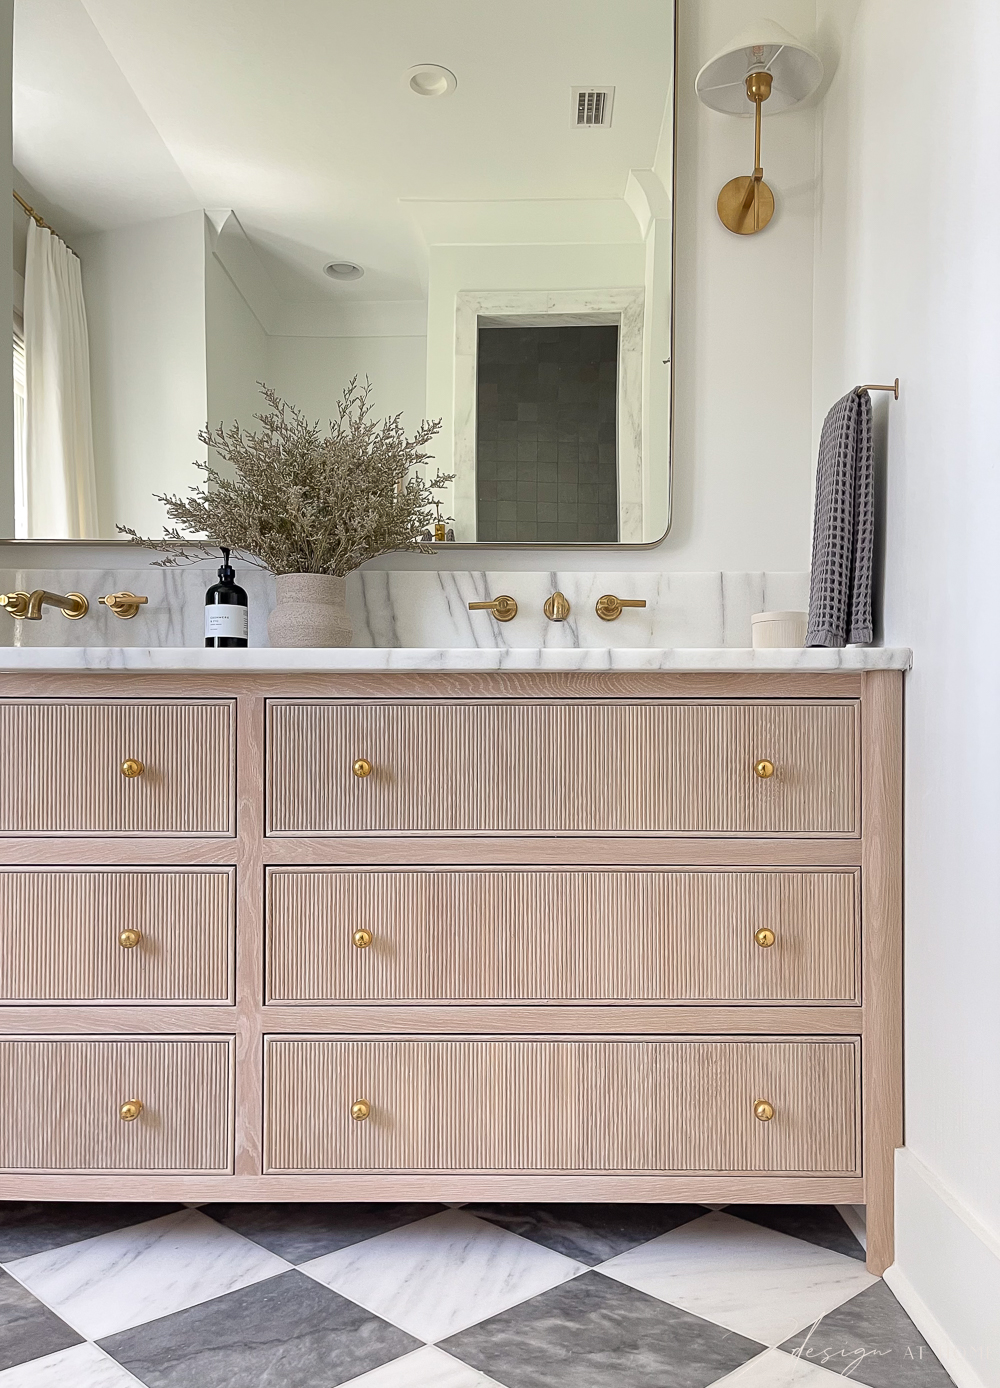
821 1224
300 1232
596 1333
589 1233
28 1227
287 1332
871 1339
28 1330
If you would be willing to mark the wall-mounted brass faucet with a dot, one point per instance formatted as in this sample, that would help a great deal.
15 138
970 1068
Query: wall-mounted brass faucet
28 606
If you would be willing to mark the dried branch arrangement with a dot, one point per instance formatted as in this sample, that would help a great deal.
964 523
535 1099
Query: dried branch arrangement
299 500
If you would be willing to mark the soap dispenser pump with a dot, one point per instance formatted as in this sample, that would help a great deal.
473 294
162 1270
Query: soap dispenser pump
226 614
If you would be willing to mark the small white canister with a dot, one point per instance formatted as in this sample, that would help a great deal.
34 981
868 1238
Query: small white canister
773 630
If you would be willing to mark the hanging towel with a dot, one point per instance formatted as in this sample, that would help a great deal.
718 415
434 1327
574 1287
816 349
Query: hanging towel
840 589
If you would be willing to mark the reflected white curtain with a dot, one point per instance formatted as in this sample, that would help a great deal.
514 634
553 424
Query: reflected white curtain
61 491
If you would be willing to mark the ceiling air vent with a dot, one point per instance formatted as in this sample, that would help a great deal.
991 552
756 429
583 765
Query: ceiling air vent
592 106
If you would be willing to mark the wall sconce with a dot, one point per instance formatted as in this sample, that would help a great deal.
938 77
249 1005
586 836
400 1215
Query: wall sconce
764 63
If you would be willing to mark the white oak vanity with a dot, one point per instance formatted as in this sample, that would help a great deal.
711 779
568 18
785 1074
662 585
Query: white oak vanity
336 933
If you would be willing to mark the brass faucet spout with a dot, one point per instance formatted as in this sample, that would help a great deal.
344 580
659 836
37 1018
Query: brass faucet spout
72 605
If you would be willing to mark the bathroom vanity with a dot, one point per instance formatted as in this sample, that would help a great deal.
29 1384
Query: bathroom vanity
384 925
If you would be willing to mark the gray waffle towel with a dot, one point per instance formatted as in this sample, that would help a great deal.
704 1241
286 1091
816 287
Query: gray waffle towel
840 590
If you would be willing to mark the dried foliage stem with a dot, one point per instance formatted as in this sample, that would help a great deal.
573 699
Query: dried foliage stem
299 500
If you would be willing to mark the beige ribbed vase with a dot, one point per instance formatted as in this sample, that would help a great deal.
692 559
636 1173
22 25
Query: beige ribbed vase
311 610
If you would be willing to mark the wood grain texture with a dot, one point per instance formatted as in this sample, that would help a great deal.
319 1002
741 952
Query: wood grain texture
561 936
59 935
882 905
61 1100
580 1105
62 764
521 768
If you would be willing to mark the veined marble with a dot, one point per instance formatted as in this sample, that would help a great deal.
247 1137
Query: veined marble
426 609
448 658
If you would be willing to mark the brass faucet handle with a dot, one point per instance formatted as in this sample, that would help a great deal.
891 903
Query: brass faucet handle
15 603
609 608
557 607
124 604
504 608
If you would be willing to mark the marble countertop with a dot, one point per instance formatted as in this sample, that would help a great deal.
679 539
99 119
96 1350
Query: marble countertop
727 658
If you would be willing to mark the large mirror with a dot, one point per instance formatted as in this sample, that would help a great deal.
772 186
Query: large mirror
468 203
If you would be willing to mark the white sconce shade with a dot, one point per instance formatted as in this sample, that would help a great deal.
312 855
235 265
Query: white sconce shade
764 47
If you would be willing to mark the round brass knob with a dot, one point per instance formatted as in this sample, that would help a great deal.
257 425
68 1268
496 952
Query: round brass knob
763 1111
130 1110
362 938
360 1110
764 937
128 939
764 769
132 768
362 767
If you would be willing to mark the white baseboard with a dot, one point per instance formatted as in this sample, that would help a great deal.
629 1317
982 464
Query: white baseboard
947 1274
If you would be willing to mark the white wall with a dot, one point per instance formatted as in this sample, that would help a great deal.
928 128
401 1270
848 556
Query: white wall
908 284
311 372
144 288
235 349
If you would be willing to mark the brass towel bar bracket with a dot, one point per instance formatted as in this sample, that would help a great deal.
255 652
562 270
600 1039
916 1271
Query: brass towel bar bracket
894 388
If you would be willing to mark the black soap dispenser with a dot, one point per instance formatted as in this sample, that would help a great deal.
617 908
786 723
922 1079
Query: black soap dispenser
226 616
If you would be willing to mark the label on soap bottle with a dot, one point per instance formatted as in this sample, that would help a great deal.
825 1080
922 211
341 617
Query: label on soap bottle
226 619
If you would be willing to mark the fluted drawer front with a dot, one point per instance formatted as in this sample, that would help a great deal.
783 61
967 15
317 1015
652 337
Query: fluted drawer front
666 767
62 1099
561 936
62 763
61 935
551 1105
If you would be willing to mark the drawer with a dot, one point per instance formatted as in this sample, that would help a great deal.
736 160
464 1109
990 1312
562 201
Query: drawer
677 1105
534 768
561 936
63 767
62 1099
61 935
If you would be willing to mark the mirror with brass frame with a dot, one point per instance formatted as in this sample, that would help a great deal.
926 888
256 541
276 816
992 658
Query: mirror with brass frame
287 193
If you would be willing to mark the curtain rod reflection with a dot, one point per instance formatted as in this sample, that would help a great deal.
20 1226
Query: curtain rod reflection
35 216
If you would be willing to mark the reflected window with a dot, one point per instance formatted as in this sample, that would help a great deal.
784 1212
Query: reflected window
546 434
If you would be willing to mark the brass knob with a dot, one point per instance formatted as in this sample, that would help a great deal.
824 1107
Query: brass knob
360 1110
764 769
763 1111
557 607
132 768
504 608
362 938
764 937
128 939
130 1110
609 608
362 768
15 603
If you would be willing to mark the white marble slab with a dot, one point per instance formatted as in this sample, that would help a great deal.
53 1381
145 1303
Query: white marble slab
442 1274
83 1366
775 1369
118 1280
425 1368
588 659
752 1280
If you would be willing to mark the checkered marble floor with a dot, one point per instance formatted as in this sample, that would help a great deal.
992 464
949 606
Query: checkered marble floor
425 1296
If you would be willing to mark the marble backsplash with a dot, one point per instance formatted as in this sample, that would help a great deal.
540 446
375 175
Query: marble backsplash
424 609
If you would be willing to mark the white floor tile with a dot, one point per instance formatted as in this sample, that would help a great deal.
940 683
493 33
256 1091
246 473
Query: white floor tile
83 1366
760 1283
118 1280
442 1274
775 1369
426 1368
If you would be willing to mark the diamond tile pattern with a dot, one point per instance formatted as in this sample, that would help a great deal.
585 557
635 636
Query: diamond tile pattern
421 1296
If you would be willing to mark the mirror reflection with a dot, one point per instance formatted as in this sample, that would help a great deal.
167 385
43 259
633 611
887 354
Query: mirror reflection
210 197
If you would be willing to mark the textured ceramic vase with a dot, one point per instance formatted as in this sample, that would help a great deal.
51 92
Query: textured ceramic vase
311 610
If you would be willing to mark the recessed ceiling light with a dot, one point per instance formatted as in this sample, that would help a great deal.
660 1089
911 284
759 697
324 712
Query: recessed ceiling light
343 270
427 79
